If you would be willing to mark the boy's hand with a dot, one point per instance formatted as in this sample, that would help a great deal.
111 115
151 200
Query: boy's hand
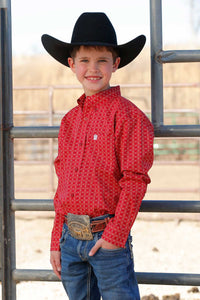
55 262
101 243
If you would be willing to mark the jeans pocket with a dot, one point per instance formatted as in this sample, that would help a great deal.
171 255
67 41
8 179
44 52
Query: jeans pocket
64 236
111 252
130 246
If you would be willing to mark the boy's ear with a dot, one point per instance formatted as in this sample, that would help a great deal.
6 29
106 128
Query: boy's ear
116 64
71 63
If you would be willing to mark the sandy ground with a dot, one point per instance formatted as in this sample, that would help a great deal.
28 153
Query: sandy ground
159 246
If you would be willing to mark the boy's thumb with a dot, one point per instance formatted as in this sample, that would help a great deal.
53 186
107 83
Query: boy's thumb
95 248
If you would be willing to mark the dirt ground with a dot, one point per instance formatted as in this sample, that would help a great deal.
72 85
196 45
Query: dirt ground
160 245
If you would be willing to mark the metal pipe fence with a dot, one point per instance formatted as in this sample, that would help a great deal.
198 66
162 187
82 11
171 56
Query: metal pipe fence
9 275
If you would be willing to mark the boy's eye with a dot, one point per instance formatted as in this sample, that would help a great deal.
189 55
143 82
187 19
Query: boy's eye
84 60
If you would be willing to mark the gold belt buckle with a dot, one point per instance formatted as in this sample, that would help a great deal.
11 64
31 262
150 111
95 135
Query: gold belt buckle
79 226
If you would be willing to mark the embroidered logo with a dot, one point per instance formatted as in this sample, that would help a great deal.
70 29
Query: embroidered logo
95 137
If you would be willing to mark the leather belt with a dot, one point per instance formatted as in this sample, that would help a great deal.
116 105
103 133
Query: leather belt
96 225
82 227
99 225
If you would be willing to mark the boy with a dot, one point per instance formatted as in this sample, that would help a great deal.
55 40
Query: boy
105 150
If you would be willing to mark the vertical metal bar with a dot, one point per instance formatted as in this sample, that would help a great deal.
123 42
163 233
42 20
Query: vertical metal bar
7 161
1 169
156 67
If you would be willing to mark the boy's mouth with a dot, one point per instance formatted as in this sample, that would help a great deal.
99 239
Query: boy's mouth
93 78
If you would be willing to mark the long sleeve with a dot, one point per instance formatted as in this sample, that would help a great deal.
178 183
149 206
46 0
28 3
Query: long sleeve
57 229
134 150
59 216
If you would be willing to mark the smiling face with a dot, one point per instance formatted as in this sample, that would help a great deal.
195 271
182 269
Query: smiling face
93 68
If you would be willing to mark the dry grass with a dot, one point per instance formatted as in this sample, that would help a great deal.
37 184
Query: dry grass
43 70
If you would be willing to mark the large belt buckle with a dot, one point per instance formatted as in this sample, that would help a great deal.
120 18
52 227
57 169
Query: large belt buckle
79 226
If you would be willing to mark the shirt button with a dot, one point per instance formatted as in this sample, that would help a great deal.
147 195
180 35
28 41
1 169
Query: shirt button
76 169
80 144
72 195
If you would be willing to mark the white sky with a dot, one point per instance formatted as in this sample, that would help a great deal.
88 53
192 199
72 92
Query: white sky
32 18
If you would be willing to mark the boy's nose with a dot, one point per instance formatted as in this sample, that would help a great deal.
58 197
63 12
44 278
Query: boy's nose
93 66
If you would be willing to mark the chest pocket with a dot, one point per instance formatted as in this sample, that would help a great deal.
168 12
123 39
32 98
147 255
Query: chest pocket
101 143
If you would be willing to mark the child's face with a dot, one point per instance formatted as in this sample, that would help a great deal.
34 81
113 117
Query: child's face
93 68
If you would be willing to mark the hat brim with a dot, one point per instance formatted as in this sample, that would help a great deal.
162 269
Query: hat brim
61 50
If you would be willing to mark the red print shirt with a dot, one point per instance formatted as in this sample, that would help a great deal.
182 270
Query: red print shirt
105 149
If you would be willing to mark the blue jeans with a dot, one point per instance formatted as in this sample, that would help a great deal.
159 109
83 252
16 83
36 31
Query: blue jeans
109 273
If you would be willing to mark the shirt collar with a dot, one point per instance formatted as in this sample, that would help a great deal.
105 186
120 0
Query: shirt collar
99 97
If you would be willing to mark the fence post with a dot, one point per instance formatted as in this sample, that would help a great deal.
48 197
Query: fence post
6 156
156 67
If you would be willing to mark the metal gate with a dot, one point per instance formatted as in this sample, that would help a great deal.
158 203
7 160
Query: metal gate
9 275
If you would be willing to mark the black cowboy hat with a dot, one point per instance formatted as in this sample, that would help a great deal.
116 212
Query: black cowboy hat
93 29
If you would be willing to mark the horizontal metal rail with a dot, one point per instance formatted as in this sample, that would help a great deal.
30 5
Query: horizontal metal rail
168 278
32 205
178 56
142 277
177 131
52 131
170 206
35 132
34 275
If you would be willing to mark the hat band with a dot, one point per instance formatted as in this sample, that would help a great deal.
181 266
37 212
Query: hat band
93 43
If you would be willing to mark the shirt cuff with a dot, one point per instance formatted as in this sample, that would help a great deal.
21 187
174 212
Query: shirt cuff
115 234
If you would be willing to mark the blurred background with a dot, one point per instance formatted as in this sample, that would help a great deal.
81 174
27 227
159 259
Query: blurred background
44 90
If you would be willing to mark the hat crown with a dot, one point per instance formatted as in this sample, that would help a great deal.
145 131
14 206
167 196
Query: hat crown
94 28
